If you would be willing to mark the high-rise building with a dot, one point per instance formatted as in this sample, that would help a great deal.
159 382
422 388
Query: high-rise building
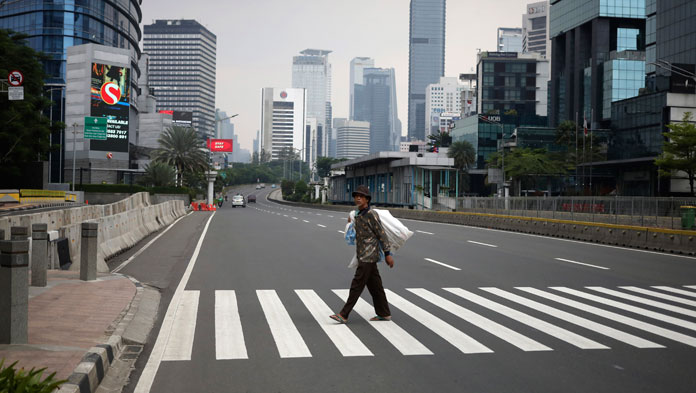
352 138
312 71
509 39
508 81
535 23
182 69
225 129
375 102
426 58
443 103
256 142
53 27
283 119
357 65
598 57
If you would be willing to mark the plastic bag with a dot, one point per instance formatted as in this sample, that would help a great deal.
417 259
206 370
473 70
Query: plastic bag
396 232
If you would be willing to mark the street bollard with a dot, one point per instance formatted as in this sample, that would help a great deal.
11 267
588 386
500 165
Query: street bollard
14 291
88 251
39 255
19 233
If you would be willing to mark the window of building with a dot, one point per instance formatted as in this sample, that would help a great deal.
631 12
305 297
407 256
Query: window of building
627 39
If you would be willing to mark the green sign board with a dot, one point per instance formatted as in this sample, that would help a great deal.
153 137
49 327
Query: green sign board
95 128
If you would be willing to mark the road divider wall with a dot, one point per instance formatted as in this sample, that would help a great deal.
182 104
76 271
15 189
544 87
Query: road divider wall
121 224
657 239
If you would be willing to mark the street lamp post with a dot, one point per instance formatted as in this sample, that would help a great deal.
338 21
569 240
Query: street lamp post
211 174
74 142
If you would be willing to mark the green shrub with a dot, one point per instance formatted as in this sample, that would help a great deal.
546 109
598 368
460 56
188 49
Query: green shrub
21 381
128 189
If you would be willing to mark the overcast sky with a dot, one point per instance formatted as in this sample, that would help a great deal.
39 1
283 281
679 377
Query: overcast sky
257 39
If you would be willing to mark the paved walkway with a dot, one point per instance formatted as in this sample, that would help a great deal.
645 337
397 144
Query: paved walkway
68 317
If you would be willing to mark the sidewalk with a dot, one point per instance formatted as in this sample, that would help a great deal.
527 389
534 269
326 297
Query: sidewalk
67 318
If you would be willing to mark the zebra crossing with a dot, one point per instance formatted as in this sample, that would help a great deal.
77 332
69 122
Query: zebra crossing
650 310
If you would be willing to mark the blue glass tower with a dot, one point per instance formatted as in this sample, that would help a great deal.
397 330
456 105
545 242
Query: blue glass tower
426 59
54 26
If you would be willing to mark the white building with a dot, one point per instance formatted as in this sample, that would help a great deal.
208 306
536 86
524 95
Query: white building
352 139
283 117
535 37
421 145
312 71
357 65
509 39
443 100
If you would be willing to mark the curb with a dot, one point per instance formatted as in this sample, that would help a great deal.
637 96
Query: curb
95 364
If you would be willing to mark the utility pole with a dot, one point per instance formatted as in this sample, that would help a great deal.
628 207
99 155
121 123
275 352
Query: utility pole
74 142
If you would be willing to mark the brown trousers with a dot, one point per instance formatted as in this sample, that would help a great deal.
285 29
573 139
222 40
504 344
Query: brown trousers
367 274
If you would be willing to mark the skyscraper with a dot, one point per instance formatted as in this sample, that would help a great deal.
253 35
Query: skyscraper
426 58
357 65
352 138
182 69
509 39
282 120
312 71
535 36
375 102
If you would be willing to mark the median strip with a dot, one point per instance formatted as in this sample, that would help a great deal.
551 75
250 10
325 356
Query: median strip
443 264
581 263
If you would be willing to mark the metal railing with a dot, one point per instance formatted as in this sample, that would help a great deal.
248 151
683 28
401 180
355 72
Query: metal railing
640 211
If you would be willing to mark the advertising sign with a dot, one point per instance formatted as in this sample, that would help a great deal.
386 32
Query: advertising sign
110 99
220 145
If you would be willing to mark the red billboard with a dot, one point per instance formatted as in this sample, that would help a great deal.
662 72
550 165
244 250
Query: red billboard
221 145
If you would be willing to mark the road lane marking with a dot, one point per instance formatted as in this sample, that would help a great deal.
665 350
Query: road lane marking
323 226
294 218
287 338
627 307
443 264
229 337
398 337
520 341
690 286
581 263
180 343
150 371
443 329
305 220
341 232
343 338
536 323
427 233
318 214
483 244
132 257
638 299
676 290
650 328
330 216
285 215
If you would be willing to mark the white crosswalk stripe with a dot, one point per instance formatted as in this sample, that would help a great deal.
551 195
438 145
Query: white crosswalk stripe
670 334
514 338
448 332
289 341
676 290
403 341
346 342
287 338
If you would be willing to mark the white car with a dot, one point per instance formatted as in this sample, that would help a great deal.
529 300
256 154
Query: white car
238 200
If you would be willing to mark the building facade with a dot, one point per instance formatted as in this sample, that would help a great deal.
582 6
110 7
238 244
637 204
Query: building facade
512 81
509 39
53 27
182 69
352 138
312 71
283 119
375 102
426 58
445 100
598 56
535 29
357 65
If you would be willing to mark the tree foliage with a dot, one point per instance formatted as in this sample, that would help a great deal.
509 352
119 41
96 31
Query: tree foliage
464 155
324 165
525 166
182 148
24 130
158 174
440 139
679 150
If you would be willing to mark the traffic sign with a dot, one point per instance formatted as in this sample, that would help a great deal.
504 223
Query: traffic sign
95 128
15 93
15 78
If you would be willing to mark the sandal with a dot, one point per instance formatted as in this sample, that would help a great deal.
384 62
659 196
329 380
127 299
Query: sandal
338 318
380 318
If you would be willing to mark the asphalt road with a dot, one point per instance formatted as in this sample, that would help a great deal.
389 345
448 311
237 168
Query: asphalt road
247 293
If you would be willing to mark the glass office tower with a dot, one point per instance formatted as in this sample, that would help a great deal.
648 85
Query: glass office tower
426 59
54 26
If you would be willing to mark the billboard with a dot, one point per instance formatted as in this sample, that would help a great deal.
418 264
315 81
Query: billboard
220 145
180 118
110 98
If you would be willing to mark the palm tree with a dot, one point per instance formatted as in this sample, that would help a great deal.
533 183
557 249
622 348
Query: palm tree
182 148
158 174
464 156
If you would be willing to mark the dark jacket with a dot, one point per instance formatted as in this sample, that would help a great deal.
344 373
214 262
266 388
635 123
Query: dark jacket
369 233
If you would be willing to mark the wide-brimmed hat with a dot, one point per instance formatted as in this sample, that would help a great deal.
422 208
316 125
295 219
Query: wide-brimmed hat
364 191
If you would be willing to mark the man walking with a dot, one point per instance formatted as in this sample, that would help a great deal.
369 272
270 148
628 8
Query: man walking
369 237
